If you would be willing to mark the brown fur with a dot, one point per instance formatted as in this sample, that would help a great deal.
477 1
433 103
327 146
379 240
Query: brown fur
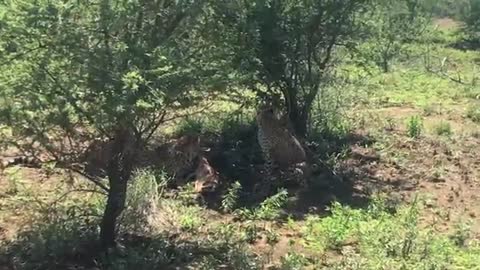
176 157
188 146
206 177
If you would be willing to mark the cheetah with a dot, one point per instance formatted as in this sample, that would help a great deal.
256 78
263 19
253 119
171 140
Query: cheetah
280 147
177 158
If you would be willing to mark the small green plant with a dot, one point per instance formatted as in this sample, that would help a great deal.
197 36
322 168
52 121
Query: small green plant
272 237
227 232
443 129
473 113
293 261
270 209
333 231
291 225
414 126
230 199
49 168
462 234
438 174
390 124
429 109
185 194
13 177
251 233
411 234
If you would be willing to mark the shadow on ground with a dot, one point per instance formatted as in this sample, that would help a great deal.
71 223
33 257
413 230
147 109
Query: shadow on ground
80 251
349 178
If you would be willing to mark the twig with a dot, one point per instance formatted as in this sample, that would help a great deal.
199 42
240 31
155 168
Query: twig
76 190
19 55
89 177
446 76
443 74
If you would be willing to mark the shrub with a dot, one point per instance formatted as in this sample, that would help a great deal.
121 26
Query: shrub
473 113
55 235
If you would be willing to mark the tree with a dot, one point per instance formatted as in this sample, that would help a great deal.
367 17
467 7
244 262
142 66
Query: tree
72 71
287 46
471 18
445 8
388 27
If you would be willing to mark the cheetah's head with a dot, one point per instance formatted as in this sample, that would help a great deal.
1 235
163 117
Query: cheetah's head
266 113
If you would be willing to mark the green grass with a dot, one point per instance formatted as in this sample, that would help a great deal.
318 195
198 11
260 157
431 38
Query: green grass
386 240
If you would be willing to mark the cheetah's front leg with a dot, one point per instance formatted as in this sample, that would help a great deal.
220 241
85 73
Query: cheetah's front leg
264 188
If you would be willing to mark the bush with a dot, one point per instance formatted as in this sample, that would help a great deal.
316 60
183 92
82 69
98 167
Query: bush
144 192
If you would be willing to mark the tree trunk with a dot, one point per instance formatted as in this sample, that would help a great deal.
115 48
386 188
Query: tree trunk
299 122
297 115
115 205
119 172
385 65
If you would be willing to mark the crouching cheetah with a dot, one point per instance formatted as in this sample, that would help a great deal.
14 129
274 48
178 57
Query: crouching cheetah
181 159
177 158
280 148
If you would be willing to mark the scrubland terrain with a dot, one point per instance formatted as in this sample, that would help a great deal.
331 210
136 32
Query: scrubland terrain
398 186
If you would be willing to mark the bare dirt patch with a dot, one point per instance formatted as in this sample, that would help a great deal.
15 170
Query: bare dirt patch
447 23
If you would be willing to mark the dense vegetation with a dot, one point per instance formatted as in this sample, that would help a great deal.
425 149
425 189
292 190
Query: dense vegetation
385 95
